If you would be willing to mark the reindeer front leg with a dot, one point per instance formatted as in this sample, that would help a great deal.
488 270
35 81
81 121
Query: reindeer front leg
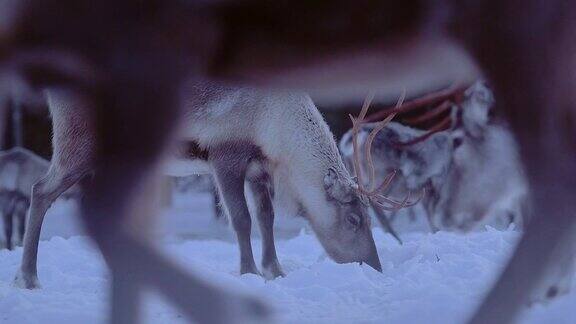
265 213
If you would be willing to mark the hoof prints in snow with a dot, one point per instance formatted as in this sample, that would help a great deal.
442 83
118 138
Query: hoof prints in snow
430 279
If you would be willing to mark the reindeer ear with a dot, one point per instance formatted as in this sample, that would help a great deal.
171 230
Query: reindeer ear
330 180
336 188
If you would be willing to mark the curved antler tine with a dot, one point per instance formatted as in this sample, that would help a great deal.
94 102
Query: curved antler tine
366 105
386 183
400 101
368 144
356 122
388 200
399 204
406 199
356 154
406 202
383 206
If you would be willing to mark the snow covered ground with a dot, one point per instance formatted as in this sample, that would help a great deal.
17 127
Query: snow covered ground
431 278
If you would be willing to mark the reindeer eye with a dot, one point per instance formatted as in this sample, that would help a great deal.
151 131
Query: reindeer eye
457 142
354 220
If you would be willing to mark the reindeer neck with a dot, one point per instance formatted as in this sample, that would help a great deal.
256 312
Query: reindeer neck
301 138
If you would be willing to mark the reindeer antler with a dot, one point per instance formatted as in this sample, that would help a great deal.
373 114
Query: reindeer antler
371 193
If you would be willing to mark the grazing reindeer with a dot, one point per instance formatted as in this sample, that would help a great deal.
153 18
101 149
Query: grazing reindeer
306 171
19 170
525 49
245 134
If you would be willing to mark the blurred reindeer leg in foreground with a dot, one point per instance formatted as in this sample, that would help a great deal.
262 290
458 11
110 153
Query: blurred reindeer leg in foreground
131 61
530 55
126 163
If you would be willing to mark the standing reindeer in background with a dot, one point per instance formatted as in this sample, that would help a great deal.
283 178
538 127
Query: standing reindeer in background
141 52
13 207
19 170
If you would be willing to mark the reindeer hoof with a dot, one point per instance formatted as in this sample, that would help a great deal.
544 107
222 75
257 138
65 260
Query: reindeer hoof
26 281
272 271
249 269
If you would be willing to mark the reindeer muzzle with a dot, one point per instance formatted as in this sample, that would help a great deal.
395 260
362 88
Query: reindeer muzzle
373 260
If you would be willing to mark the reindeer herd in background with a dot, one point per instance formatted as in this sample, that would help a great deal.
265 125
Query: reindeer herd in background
469 168
296 162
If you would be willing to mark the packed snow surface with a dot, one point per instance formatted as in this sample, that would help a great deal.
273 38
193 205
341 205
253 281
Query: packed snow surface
431 278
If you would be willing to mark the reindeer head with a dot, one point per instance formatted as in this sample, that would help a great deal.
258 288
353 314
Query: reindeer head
348 236
339 217
476 109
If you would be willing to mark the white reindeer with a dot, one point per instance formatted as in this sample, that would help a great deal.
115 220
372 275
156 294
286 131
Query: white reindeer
485 183
238 135
472 173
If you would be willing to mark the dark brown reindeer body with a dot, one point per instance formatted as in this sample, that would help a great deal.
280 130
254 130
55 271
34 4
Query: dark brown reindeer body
525 48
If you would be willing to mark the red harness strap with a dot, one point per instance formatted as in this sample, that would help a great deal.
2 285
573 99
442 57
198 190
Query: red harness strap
431 112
